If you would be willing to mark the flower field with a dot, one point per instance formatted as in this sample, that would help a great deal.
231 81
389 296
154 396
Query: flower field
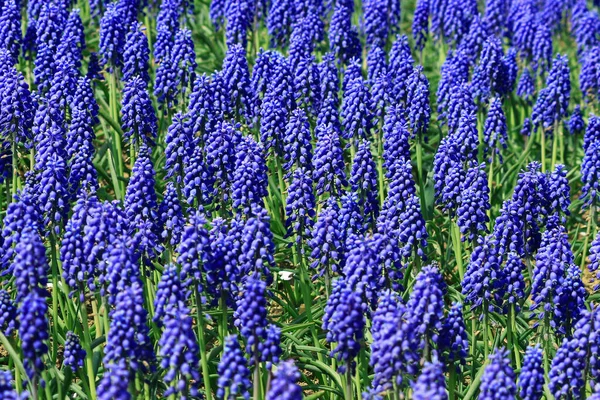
299 199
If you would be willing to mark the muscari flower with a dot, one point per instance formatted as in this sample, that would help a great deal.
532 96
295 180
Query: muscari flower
426 307
171 215
193 251
112 36
526 86
250 181
141 206
300 205
363 181
257 251
431 383
498 380
178 149
362 270
282 81
136 54
375 14
128 337
376 63
412 233
542 48
488 74
575 357
389 333
6 388
139 120
259 80
16 108
284 384
531 378
72 42
167 23
474 203
329 79
239 20
401 188
420 25
417 99
115 382
343 37
495 131
553 100
344 322
569 300
273 120
237 80
179 352
496 13
33 331
251 314
326 240
588 77
356 110
448 174
453 337
297 142
169 293
183 60
74 354
576 125
234 375
10 29
201 113
484 282
396 146
461 104
165 83
515 283
8 314
307 85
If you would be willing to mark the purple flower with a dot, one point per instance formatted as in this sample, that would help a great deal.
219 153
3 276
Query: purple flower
496 14
280 22
396 146
328 162
498 380
495 131
356 114
237 81
343 37
515 283
193 251
33 331
376 22
300 206
417 99
284 384
325 243
141 206
531 378
8 316
425 307
297 142
74 354
139 120
420 25
234 375
553 100
136 54
115 382
576 125
10 29
542 48
344 322
412 233
179 352
128 338
484 282
474 203
251 314
250 180
526 86
431 383
453 338
179 147
257 252
171 216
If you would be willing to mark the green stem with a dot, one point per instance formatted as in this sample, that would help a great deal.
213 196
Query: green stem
486 344
54 294
591 224
457 246
116 138
89 358
256 380
202 344
543 144
517 346
349 391
554 145
452 383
